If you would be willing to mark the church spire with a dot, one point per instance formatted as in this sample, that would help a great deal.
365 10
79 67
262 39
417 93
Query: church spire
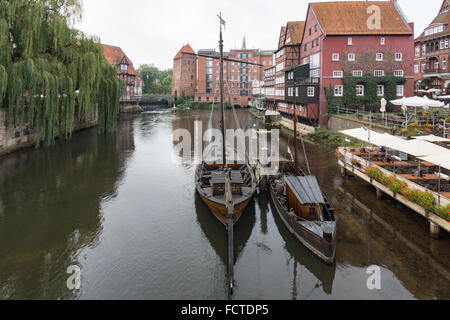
244 45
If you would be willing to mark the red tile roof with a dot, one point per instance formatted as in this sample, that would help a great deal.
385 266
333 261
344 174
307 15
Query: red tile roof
442 18
115 55
186 49
350 17
296 29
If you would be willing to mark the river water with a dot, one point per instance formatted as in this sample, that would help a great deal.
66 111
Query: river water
124 210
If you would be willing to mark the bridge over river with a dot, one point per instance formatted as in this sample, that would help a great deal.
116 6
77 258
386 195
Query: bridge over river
152 101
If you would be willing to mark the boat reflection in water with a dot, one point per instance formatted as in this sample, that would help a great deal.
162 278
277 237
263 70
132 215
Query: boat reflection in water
217 235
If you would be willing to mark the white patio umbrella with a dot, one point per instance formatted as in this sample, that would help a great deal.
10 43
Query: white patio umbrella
418 102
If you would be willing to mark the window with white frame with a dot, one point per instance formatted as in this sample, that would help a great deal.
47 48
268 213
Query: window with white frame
379 57
399 73
383 41
296 91
446 43
380 90
441 44
436 64
310 91
444 64
350 41
424 66
416 68
338 90
417 51
400 90
424 49
357 73
378 73
338 74
314 73
360 90
351 57
399 56
335 57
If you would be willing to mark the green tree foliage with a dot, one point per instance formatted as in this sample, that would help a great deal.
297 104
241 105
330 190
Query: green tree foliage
156 81
46 66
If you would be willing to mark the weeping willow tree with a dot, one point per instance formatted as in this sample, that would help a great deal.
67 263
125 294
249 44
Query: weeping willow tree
47 68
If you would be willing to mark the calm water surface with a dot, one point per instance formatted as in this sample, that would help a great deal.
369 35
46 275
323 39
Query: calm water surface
123 208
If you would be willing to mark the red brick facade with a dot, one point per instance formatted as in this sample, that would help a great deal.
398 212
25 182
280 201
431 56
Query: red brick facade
338 42
199 77
238 76
184 80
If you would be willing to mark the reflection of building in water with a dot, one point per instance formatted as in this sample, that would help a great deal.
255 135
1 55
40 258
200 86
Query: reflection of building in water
366 238
51 200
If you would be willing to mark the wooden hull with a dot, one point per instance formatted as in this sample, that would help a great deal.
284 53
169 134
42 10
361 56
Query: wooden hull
218 207
320 247
220 211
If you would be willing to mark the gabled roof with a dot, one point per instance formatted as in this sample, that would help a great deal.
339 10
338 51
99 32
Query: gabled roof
350 17
282 38
186 49
114 55
296 29
442 18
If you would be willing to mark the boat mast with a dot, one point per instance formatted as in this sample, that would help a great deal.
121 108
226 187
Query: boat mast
295 134
222 107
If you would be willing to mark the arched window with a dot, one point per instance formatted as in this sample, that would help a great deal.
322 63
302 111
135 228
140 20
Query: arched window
444 64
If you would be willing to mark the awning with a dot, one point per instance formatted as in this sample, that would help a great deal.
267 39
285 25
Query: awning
416 148
421 148
432 138
442 160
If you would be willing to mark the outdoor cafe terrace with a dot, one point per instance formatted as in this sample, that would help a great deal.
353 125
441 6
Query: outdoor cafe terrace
418 164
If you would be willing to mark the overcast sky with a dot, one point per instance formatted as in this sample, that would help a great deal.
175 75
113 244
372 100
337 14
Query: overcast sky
152 31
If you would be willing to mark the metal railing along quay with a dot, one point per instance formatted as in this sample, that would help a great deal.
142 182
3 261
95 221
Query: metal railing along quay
435 123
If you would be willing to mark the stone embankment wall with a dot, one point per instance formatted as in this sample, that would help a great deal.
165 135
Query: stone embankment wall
19 137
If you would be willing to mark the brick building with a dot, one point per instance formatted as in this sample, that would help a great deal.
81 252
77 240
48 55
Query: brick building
184 72
200 77
125 69
432 53
343 42
286 56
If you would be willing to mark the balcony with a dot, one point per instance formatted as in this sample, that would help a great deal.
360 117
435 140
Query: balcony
433 70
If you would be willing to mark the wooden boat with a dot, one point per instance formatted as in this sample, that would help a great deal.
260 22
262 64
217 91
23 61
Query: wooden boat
226 188
306 212
212 182
303 207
